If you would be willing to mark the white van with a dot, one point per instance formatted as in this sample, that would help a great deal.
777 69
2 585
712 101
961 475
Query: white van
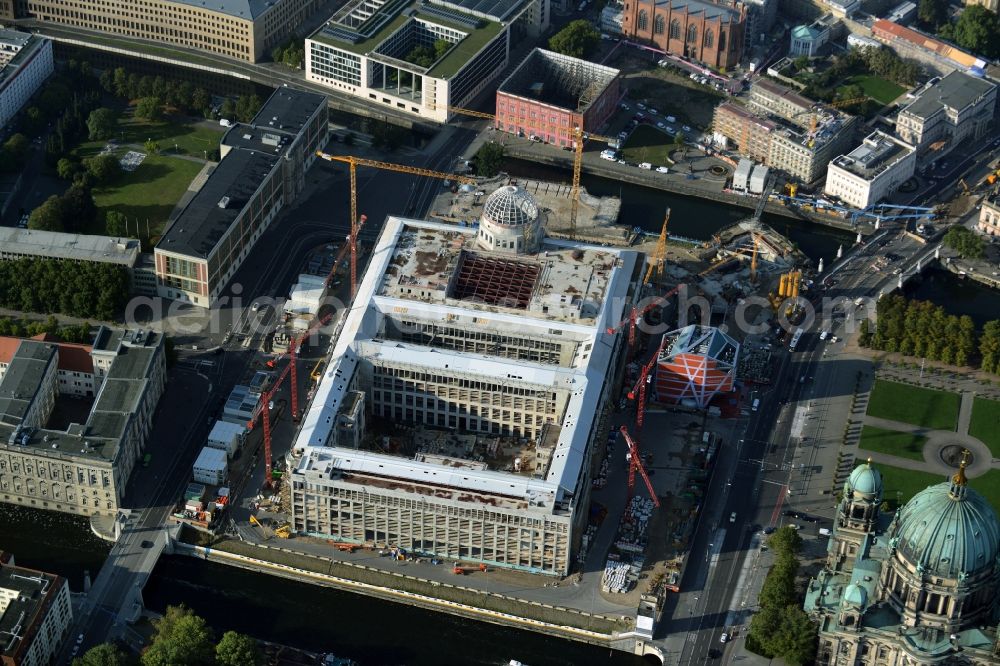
756 404
646 165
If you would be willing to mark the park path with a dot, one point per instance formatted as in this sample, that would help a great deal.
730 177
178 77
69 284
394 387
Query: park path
965 412
982 458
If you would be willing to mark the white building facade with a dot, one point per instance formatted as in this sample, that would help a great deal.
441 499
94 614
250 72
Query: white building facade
35 615
871 172
27 62
495 365
420 58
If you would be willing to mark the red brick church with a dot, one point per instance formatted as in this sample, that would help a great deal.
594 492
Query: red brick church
706 32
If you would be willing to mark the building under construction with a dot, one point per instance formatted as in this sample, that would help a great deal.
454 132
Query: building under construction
550 94
458 414
696 363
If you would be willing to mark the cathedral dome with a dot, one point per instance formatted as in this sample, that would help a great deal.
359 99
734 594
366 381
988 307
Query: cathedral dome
948 530
866 480
855 595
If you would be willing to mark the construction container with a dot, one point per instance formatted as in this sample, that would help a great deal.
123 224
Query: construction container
758 179
211 467
195 491
227 437
306 296
741 177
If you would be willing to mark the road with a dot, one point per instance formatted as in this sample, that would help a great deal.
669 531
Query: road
771 470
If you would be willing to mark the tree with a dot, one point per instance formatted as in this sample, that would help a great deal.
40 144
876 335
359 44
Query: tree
150 108
181 637
16 148
489 159
34 121
103 168
101 124
977 30
200 99
79 209
49 216
151 146
794 639
578 39
120 79
66 168
105 654
932 13
115 223
228 109
237 650
247 107
679 140
963 240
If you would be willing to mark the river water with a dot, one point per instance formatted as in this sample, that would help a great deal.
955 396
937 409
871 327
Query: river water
956 295
690 216
371 631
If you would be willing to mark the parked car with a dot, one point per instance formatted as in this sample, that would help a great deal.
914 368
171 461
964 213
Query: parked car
732 517
661 125
686 128
662 169
646 165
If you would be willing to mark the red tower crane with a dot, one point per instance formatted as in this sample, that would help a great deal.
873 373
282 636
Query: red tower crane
264 406
635 464
640 386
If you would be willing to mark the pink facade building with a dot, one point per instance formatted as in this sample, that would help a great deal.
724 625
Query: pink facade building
550 94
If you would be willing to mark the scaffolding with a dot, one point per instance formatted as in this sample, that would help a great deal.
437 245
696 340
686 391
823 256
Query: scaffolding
562 81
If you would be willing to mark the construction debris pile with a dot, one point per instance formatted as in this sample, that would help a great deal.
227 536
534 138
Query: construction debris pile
626 558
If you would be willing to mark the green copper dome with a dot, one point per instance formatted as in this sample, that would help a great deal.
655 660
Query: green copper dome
855 595
866 480
948 530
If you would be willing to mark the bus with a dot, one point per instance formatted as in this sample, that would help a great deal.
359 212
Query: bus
795 339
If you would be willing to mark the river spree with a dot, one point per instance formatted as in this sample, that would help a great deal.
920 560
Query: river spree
958 296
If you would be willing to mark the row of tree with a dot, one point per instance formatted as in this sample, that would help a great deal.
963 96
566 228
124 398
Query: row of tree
73 211
965 241
780 628
291 53
920 328
976 28
19 328
180 637
578 39
78 289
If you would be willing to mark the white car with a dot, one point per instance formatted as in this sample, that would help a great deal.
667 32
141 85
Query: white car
822 336
609 155
834 339
646 165
732 517
662 169
622 162
686 128
642 107
255 307
661 125
724 638
670 119
653 111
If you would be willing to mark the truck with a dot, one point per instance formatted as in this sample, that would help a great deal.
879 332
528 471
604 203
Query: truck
460 570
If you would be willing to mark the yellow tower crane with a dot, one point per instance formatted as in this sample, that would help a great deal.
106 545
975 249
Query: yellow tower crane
753 259
579 137
353 164
659 257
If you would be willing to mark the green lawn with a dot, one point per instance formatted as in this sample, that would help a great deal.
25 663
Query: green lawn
902 484
649 144
985 423
148 193
928 408
188 138
879 89
892 442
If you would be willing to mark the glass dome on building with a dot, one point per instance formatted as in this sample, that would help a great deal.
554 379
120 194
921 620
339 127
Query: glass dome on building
510 222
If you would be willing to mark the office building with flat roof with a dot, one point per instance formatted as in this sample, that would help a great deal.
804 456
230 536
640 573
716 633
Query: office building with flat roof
262 169
947 111
549 95
460 413
84 467
240 29
419 57
36 615
25 63
785 130
871 172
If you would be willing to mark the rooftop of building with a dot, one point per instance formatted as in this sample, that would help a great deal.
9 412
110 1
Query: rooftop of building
444 266
285 113
877 152
559 80
710 10
955 91
14 38
775 89
798 126
22 380
365 27
77 247
29 590
706 341
208 215
241 9
415 269
119 395
73 357
926 43
16 49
